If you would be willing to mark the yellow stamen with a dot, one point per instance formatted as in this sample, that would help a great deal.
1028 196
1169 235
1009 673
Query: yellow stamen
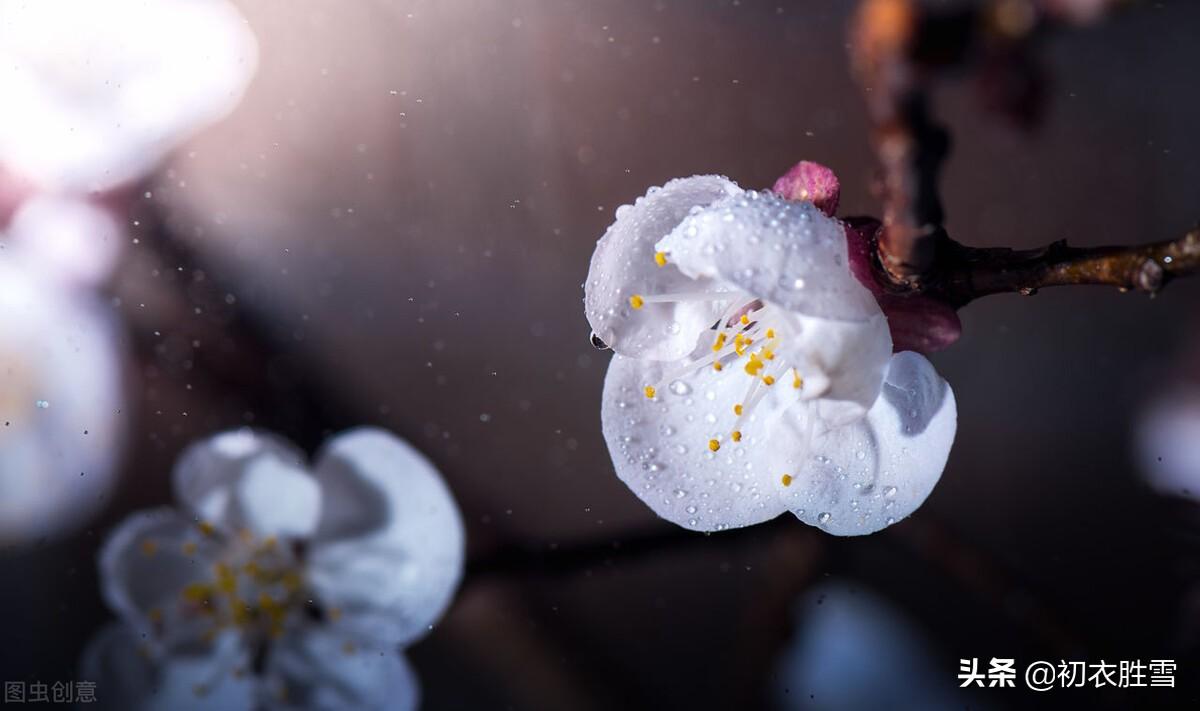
768 354
206 528
754 365
714 445
719 343
660 258
649 390
717 366
786 479
189 548
737 435
769 380
797 381
770 333
636 301
737 409
745 319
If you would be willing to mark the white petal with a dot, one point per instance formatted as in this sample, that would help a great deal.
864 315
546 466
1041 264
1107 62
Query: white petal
128 678
1169 444
67 237
274 498
660 447
319 670
61 404
862 477
389 549
842 362
96 93
784 252
144 568
623 265
208 471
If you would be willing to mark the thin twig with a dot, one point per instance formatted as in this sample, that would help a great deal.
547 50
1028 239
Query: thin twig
964 274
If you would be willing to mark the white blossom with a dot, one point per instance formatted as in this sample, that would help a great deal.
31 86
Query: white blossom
61 397
753 374
96 93
278 586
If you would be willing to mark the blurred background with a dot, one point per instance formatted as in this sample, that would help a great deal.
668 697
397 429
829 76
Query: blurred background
393 225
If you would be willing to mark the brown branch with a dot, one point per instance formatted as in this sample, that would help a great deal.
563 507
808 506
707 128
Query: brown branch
910 148
897 48
964 274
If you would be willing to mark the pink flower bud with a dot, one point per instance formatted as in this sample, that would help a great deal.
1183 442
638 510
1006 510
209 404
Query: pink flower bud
811 182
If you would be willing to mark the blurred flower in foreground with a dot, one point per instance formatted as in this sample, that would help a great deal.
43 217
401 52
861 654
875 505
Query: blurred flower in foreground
95 93
854 650
753 372
60 402
277 586
1169 443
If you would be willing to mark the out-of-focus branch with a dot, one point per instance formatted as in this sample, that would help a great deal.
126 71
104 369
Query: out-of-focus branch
909 146
967 273
897 47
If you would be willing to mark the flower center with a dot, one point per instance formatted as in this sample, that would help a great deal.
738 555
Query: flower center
746 337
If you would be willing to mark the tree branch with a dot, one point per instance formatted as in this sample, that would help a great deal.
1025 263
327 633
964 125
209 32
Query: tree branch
967 273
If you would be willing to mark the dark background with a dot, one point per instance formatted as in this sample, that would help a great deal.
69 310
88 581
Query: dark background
403 209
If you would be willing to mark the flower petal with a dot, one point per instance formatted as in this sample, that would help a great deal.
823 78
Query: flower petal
129 679
389 549
61 401
842 362
862 477
145 564
97 93
1168 439
318 669
624 264
787 253
274 498
67 237
209 470
660 446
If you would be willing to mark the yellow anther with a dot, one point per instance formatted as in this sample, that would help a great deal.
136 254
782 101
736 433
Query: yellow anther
189 548
636 301
149 548
717 366
737 435
786 479
291 581
714 445
770 333
737 409
226 578
797 381
769 380
197 592
649 390
754 365
206 528
768 354
719 343
660 258
744 319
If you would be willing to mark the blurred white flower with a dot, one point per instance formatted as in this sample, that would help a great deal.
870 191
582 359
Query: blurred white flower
753 373
60 402
855 650
277 586
66 238
1168 440
96 93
